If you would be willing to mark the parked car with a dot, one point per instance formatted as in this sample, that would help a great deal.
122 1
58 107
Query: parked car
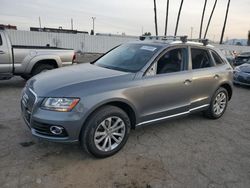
242 74
27 61
242 58
229 55
135 84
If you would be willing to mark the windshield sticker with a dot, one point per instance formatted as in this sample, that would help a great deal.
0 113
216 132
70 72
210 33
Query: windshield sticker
149 48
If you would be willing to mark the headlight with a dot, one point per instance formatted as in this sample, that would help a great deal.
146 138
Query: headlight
60 104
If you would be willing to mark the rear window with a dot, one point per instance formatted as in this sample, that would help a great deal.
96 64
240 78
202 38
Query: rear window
1 41
217 59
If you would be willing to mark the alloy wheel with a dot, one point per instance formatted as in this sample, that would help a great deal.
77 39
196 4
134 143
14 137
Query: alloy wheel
109 133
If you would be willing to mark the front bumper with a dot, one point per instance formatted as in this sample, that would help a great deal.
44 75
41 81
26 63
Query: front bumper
40 121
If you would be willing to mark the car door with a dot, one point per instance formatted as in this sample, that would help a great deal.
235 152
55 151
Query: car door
5 61
205 77
166 86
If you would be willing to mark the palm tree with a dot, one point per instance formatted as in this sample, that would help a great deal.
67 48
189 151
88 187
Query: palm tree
202 18
225 22
156 27
166 23
211 15
178 18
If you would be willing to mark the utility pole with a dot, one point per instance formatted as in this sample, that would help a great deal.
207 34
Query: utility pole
40 25
202 18
72 24
178 18
225 22
211 15
93 19
166 21
192 29
156 27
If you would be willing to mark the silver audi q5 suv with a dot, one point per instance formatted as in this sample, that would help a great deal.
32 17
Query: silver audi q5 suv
134 84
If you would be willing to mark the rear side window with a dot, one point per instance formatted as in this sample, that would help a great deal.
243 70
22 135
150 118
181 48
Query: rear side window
1 41
200 58
171 61
217 59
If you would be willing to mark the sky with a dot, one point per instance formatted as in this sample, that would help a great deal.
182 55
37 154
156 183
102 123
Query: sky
127 16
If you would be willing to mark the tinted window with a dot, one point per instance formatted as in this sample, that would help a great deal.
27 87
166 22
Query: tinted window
128 57
171 61
217 59
200 59
1 41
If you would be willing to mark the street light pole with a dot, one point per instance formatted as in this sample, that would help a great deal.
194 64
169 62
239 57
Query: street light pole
93 19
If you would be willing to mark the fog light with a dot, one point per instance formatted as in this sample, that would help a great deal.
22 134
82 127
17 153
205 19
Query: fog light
56 130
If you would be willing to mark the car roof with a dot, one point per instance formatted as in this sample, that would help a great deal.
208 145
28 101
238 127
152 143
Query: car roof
167 43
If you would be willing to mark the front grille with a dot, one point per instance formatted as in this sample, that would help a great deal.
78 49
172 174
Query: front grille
44 129
27 103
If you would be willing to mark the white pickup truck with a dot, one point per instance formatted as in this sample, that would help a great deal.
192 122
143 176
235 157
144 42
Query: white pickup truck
27 61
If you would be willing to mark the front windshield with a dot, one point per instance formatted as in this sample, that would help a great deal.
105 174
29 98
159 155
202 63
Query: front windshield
128 57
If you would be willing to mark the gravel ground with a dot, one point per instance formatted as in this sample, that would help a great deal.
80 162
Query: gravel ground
188 152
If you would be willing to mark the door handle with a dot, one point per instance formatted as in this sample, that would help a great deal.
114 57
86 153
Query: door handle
216 76
2 52
187 82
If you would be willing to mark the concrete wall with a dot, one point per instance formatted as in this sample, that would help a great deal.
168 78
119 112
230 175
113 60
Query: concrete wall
83 42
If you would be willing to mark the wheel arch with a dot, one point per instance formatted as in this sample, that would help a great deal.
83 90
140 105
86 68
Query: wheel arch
124 105
229 89
45 62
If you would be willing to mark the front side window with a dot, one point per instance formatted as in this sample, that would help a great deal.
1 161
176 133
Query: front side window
200 58
172 61
128 57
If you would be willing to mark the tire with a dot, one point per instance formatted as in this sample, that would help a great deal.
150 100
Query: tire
213 112
92 136
41 68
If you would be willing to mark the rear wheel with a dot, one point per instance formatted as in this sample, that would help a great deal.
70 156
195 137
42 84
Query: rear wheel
41 68
106 132
218 104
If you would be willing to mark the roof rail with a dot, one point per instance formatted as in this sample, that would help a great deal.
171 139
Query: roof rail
184 39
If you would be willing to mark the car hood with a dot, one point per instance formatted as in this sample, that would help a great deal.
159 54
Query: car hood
66 80
245 68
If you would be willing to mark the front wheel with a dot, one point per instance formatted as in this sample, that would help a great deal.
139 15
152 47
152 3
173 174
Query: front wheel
218 104
106 132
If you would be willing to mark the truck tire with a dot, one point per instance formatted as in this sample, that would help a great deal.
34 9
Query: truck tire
105 132
41 68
